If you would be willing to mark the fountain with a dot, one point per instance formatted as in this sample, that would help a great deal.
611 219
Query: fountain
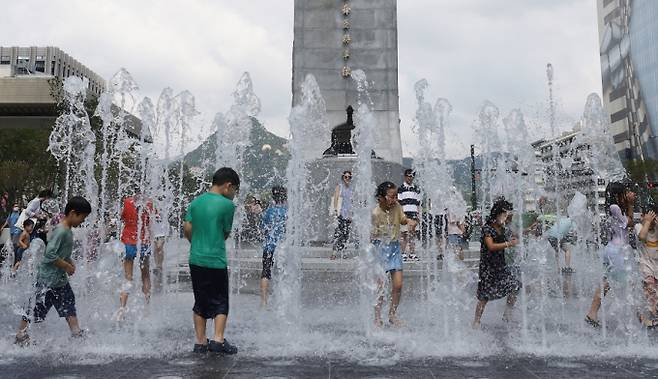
323 309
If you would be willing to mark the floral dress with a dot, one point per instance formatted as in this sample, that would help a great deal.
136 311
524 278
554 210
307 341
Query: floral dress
496 279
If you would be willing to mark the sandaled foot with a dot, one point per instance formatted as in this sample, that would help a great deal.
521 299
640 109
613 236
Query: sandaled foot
647 322
120 314
379 323
333 257
22 340
396 322
591 322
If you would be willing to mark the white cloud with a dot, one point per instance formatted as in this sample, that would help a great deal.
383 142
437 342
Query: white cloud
469 50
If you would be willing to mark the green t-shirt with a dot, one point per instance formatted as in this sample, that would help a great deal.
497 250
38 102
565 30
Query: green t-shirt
211 216
59 246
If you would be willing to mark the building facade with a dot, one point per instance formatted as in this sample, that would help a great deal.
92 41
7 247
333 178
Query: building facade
18 61
26 75
332 39
567 171
628 31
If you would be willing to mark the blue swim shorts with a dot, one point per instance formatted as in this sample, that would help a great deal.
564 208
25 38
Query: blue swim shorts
131 252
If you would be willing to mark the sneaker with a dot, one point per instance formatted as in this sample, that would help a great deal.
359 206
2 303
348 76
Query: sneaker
413 257
404 257
201 348
222 348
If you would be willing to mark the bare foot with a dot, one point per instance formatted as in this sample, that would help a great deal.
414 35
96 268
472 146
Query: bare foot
476 325
120 315
378 322
396 322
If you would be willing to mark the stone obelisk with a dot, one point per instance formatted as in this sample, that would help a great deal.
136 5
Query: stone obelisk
331 39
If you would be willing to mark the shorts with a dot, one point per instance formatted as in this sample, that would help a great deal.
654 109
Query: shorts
62 298
455 240
614 264
268 262
131 252
412 216
210 287
389 255
18 255
562 243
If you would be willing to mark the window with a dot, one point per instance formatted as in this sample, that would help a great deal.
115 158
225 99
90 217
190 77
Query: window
5 59
40 66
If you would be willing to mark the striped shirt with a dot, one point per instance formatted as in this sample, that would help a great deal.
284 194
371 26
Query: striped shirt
409 199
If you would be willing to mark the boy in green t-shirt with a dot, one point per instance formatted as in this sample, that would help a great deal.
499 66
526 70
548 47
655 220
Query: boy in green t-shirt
52 287
207 225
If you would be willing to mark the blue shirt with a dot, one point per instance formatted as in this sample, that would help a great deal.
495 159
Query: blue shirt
11 222
273 222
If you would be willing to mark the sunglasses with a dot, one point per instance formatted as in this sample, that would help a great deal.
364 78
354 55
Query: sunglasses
347 177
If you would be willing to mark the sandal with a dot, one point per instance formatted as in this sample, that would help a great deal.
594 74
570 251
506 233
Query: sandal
651 325
333 257
591 322
396 322
22 340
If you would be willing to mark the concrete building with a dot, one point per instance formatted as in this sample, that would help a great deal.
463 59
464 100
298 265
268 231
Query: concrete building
571 173
49 61
26 74
628 31
332 39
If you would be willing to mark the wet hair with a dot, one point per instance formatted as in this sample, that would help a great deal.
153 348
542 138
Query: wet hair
279 194
613 193
27 223
226 175
499 206
410 172
45 193
383 188
77 204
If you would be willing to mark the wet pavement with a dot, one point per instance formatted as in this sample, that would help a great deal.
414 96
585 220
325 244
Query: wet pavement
209 366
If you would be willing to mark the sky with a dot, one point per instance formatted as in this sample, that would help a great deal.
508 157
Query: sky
468 50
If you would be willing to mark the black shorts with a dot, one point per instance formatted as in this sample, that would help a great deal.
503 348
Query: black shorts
268 262
18 255
210 286
62 298
561 244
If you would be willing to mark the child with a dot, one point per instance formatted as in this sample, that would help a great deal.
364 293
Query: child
620 201
559 236
274 227
136 220
23 244
52 286
207 225
386 220
648 235
495 279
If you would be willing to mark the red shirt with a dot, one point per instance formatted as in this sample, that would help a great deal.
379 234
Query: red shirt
129 218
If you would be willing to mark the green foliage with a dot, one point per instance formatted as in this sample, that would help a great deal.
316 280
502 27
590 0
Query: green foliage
25 165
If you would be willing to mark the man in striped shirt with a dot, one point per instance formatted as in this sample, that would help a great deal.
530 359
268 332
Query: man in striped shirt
409 199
